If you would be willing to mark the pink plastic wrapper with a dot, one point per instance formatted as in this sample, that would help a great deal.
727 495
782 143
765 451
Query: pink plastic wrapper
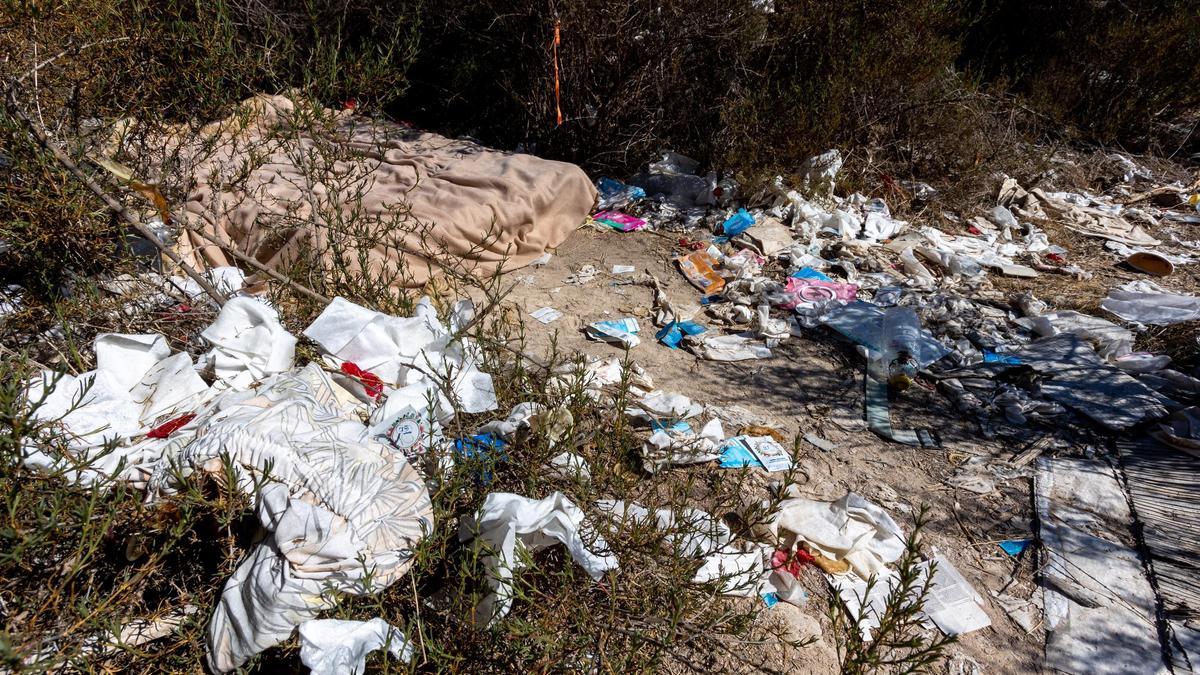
619 221
806 291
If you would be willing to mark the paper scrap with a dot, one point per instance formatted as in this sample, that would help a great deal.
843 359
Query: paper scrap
546 314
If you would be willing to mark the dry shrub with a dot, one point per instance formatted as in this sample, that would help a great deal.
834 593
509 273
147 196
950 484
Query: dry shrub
1122 72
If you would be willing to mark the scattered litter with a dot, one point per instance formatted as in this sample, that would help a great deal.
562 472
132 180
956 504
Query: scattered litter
585 274
1151 263
863 323
1084 217
851 529
738 223
1181 431
546 314
806 292
693 533
1079 379
768 237
672 446
1025 613
952 604
618 221
659 406
1112 340
616 195
623 269
407 353
1129 251
760 451
810 273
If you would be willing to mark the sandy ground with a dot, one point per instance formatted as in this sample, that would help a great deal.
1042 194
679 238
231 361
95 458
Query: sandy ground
811 385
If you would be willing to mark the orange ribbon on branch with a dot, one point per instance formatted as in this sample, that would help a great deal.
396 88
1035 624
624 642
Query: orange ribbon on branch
557 89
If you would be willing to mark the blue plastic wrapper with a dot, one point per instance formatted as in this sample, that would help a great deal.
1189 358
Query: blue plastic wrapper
1015 547
614 193
810 273
737 455
679 427
672 334
737 223
990 356
483 448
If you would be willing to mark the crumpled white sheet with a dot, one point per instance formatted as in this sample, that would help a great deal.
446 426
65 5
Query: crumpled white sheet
136 384
865 536
335 647
851 529
342 508
879 226
666 447
413 356
697 534
1146 302
1112 340
248 343
506 521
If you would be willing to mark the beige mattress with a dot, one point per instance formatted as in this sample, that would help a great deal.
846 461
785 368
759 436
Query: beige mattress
342 193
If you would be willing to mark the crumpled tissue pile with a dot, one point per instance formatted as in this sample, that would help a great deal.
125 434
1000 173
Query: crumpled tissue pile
342 509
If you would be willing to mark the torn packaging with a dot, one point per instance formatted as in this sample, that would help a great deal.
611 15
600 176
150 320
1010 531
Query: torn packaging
667 447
